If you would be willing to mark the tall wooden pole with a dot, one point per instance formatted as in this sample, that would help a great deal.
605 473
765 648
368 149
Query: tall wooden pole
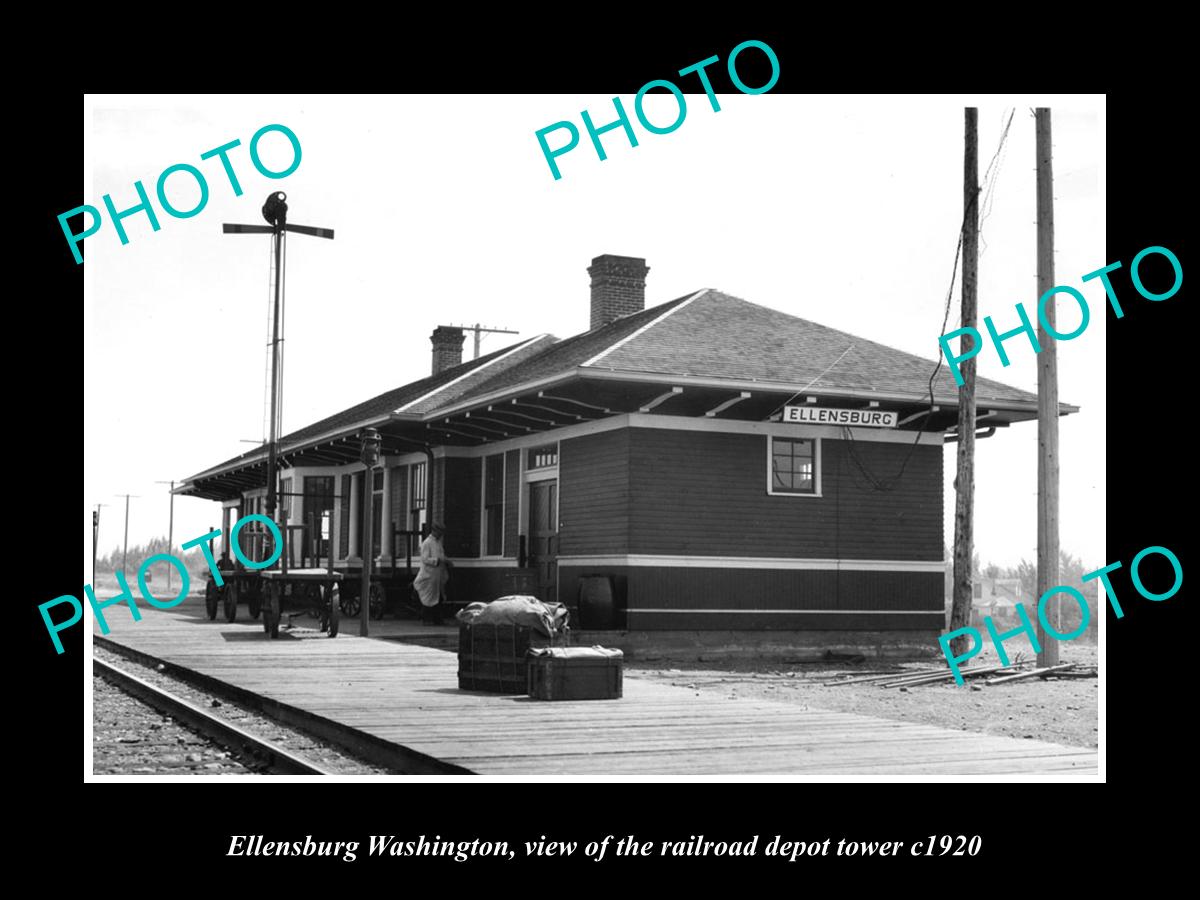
1047 530
125 552
272 450
170 530
95 538
964 504
171 535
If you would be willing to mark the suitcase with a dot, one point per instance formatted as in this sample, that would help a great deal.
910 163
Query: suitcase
492 657
575 673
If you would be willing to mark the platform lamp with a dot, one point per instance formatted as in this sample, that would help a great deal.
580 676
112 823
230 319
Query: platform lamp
371 443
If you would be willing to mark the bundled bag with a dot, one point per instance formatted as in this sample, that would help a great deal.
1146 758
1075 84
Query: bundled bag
545 618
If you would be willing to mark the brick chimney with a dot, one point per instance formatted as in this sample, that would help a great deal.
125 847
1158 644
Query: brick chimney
447 347
618 287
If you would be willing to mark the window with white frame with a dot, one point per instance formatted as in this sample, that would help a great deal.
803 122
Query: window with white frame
493 505
318 512
792 466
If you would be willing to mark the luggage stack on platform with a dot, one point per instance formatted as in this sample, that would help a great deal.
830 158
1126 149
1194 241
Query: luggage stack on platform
520 645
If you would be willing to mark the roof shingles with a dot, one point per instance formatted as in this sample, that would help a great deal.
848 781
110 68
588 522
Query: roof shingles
720 336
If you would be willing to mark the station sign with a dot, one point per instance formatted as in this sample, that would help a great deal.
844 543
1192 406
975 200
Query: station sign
824 415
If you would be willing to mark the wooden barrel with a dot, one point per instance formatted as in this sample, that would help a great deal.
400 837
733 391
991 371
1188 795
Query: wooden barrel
597 603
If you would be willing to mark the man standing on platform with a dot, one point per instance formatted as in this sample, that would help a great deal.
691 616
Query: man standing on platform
430 583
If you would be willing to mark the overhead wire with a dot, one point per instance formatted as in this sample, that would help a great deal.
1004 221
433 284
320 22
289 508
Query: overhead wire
991 180
888 484
811 383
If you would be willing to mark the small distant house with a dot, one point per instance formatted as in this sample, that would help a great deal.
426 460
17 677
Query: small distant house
997 598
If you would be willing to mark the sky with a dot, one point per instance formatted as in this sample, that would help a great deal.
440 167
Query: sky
840 209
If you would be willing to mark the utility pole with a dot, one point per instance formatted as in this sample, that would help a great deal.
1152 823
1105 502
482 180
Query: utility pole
480 330
964 483
1047 528
170 531
125 552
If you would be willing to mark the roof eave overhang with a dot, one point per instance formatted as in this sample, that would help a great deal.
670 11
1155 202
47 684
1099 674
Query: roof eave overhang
735 384
189 486
258 458
496 396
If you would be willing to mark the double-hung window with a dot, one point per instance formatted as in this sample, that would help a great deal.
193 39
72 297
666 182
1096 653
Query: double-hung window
493 505
793 466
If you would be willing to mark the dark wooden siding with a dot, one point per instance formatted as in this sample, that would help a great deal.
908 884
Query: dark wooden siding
469 585
344 519
512 499
461 493
593 493
788 622
762 590
705 494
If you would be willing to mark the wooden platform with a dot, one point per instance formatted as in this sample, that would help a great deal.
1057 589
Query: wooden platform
408 695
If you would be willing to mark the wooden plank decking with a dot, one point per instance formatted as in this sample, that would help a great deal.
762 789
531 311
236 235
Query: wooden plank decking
408 695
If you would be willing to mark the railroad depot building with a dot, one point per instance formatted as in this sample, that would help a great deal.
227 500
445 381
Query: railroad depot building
686 450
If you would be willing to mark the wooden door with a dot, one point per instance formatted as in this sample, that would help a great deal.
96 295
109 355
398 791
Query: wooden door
543 532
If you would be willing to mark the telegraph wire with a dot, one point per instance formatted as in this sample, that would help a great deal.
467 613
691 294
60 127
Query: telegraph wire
989 179
811 383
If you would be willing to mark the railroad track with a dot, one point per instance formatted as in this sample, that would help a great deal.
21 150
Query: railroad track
221 730
387 757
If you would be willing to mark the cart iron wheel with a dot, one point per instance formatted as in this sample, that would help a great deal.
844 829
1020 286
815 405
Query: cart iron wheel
212 596
378 598
350 604
231 599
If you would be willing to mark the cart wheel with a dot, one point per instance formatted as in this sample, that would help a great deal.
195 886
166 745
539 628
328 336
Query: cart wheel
350 605
212 596
334 609
255 603
378 597
231 600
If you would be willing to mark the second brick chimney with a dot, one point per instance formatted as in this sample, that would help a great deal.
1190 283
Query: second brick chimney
618 287
447 347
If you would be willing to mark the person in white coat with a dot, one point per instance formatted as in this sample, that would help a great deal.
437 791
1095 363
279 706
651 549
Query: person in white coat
430 583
